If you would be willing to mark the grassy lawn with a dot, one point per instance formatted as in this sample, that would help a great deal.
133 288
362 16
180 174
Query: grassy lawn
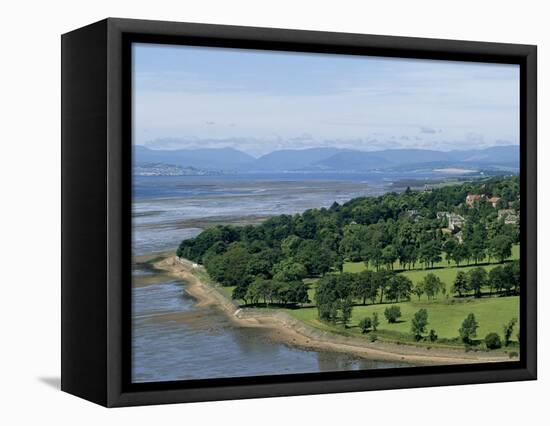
444 316
228 291
360 266
447 275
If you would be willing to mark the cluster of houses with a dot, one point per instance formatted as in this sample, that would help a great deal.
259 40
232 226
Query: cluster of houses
472 198
455 222
509 216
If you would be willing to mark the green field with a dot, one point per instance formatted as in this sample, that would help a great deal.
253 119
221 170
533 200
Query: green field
445 317
445 313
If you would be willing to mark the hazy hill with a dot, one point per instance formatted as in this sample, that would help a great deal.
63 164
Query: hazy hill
208 158
503 157
333 159
292 159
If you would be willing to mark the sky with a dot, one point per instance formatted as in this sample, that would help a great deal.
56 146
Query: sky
261 101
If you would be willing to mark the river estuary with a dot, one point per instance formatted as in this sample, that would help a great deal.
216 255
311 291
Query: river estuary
172 337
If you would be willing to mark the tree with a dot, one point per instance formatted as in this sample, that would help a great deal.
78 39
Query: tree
508 330
460 285
389 256
419 323
429 253
500 247
392 313
365 324
326 298
353 243
346 307
513 276
460 253
290 245
261 260
400 287
289 270
492 341
432 285
230 268
292 292
475 239
468 329
334 298
498 279
260 290
449 247
240 293
432 336
381 280
418 290
365 286
317 259
375 321
477 280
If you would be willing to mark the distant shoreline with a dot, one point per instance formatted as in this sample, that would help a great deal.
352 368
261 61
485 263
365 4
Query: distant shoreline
286 329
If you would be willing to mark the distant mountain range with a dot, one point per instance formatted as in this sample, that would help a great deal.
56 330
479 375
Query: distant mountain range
333 159
207 159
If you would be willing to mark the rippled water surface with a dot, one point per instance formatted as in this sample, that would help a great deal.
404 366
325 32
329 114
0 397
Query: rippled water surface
172 338
175 340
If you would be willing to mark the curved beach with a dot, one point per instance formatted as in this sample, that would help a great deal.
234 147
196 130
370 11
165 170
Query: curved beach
286 329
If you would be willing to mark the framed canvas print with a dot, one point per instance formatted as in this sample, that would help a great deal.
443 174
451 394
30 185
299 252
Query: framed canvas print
252 212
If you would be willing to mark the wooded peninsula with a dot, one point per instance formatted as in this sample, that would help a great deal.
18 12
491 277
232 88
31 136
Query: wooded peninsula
438 266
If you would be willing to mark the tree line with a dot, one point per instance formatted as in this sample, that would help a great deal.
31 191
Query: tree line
336 294
501 279
419 327
379 231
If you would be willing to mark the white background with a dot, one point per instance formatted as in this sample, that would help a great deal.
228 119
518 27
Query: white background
30 211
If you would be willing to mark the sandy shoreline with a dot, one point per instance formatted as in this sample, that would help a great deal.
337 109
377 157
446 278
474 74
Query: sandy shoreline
285 328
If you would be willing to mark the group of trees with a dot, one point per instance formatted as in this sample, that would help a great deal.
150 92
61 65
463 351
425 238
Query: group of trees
392 313
337 293
422 242
266 262
419 325
431 285
469 327
272 292
501 279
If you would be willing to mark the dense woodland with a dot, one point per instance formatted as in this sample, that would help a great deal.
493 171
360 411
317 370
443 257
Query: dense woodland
268 263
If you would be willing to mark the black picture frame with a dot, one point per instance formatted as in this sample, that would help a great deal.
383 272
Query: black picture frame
96 205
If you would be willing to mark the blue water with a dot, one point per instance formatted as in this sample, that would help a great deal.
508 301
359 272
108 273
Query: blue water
173 339
185 186
169 209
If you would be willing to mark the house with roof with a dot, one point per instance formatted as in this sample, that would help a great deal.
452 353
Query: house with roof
512 219
509 216
460 237
504 213
455 221
493 201
412 215
471 199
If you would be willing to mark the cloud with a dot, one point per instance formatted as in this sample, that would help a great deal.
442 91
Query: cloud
260 101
